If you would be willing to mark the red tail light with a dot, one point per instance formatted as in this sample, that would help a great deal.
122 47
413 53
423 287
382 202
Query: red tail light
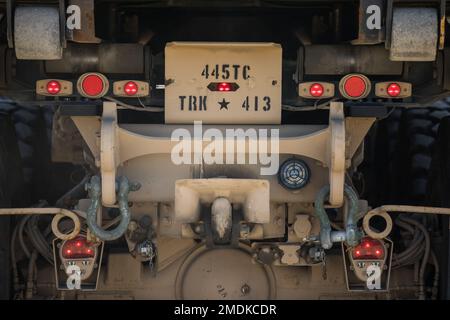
54 87
93 85
368 249
316 90
223 86
393 90
354 86
131 88
77 248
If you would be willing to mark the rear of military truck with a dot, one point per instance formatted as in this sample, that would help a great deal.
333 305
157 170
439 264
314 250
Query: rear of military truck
224 150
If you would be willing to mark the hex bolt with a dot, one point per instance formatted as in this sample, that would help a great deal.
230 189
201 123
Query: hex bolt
245 289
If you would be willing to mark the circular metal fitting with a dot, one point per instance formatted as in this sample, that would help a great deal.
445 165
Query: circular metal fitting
55 225
293 174
377 234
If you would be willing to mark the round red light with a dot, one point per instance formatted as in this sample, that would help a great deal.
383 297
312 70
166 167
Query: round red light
53 87
131 88
316 90
355 86
93 85
393 90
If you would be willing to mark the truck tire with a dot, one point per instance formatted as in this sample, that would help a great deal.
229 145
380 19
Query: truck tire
405 144
439 196
11 181
34 147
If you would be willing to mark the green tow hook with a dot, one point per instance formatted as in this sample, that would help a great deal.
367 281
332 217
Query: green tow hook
94 190
352 235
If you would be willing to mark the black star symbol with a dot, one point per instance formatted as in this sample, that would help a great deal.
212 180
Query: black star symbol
223 104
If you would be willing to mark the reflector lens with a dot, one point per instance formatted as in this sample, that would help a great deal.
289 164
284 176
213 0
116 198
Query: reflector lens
223 86
77 248
316 90
368 249
355 86
53 87
393 90
92 85
130 88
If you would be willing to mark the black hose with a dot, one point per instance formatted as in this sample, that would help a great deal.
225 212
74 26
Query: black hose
425 256
72 193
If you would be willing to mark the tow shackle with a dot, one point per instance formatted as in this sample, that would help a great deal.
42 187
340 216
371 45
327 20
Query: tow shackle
351 235
94 190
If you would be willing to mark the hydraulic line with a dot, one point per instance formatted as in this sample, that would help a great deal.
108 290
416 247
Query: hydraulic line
414 248
38 239
13 258
58 213
425 256
22 223
77 189
30 279
434 290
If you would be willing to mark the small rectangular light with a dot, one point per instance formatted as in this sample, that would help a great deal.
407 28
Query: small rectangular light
131 88
54 87
393 89
316 90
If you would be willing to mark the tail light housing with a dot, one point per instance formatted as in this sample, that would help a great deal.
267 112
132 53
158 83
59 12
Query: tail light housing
93 85
131 88
79 254
354 86
316 90
54 87
369 249
368 265
393 89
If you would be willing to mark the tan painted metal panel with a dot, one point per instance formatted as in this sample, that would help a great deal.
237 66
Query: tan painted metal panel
254 67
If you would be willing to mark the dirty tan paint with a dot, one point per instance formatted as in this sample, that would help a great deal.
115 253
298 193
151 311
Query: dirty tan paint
185 62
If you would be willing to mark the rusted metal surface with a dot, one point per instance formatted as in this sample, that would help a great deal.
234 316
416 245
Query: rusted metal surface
37 33
87 32
414 34
368 35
